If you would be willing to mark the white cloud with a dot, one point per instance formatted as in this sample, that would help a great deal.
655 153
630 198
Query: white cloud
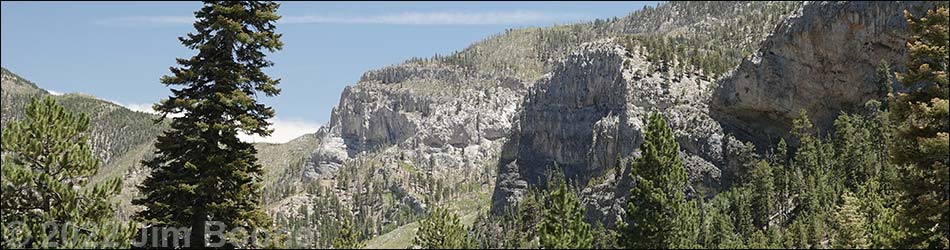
140 107
284 131
404 18
54 92
438 18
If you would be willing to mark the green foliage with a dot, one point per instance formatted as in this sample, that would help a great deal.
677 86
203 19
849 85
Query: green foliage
851 224
348 238
658 214
515 228
922 134
717 229
603 237
878 204
202 170
47 162
442 230
715 47
884 79
562 224
763 195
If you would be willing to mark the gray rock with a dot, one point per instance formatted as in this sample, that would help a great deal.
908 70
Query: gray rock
590 110
821 60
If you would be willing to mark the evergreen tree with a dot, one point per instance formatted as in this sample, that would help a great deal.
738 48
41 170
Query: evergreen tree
851 224
46 166
853 147
604 238
763 196
349 237
922 135
878 206
202 172
442 230
783 179
758 240
562 224
658 215
718 229
742 211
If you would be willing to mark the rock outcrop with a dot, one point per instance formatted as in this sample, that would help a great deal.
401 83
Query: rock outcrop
821 60
437 115
590 110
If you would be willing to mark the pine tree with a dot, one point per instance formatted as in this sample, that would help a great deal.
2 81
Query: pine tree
47 163
851 224
606 238
879 209
202 172
658 215
742 211
442 230
718 229
349 237
783 179
763 196
922 135
854 150
562 224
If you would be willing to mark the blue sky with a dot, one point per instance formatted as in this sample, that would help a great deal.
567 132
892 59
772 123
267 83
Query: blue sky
118 50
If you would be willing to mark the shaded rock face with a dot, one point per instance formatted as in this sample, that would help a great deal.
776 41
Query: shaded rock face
574 113
589 111
821 60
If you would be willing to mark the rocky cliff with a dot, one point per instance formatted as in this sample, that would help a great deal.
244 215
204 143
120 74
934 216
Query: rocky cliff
589 112
506 109
821 60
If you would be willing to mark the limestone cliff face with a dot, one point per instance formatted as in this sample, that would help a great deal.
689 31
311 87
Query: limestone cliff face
590 110
439 114
821 60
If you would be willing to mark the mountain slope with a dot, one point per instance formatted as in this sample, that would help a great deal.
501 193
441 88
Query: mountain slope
433 128
122 138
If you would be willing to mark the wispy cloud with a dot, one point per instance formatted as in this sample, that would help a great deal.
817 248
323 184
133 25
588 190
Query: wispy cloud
57 93
439 18
284 131
403 18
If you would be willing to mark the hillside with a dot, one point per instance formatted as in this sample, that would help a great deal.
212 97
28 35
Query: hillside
480 130
122 138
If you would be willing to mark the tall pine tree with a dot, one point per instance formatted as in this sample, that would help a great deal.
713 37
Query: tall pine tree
852 226
658 214
763 196
202 172
442 230
47 163
922 130
349 237
562 223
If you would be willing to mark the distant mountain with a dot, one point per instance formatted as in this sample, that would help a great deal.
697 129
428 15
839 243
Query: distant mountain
122 138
